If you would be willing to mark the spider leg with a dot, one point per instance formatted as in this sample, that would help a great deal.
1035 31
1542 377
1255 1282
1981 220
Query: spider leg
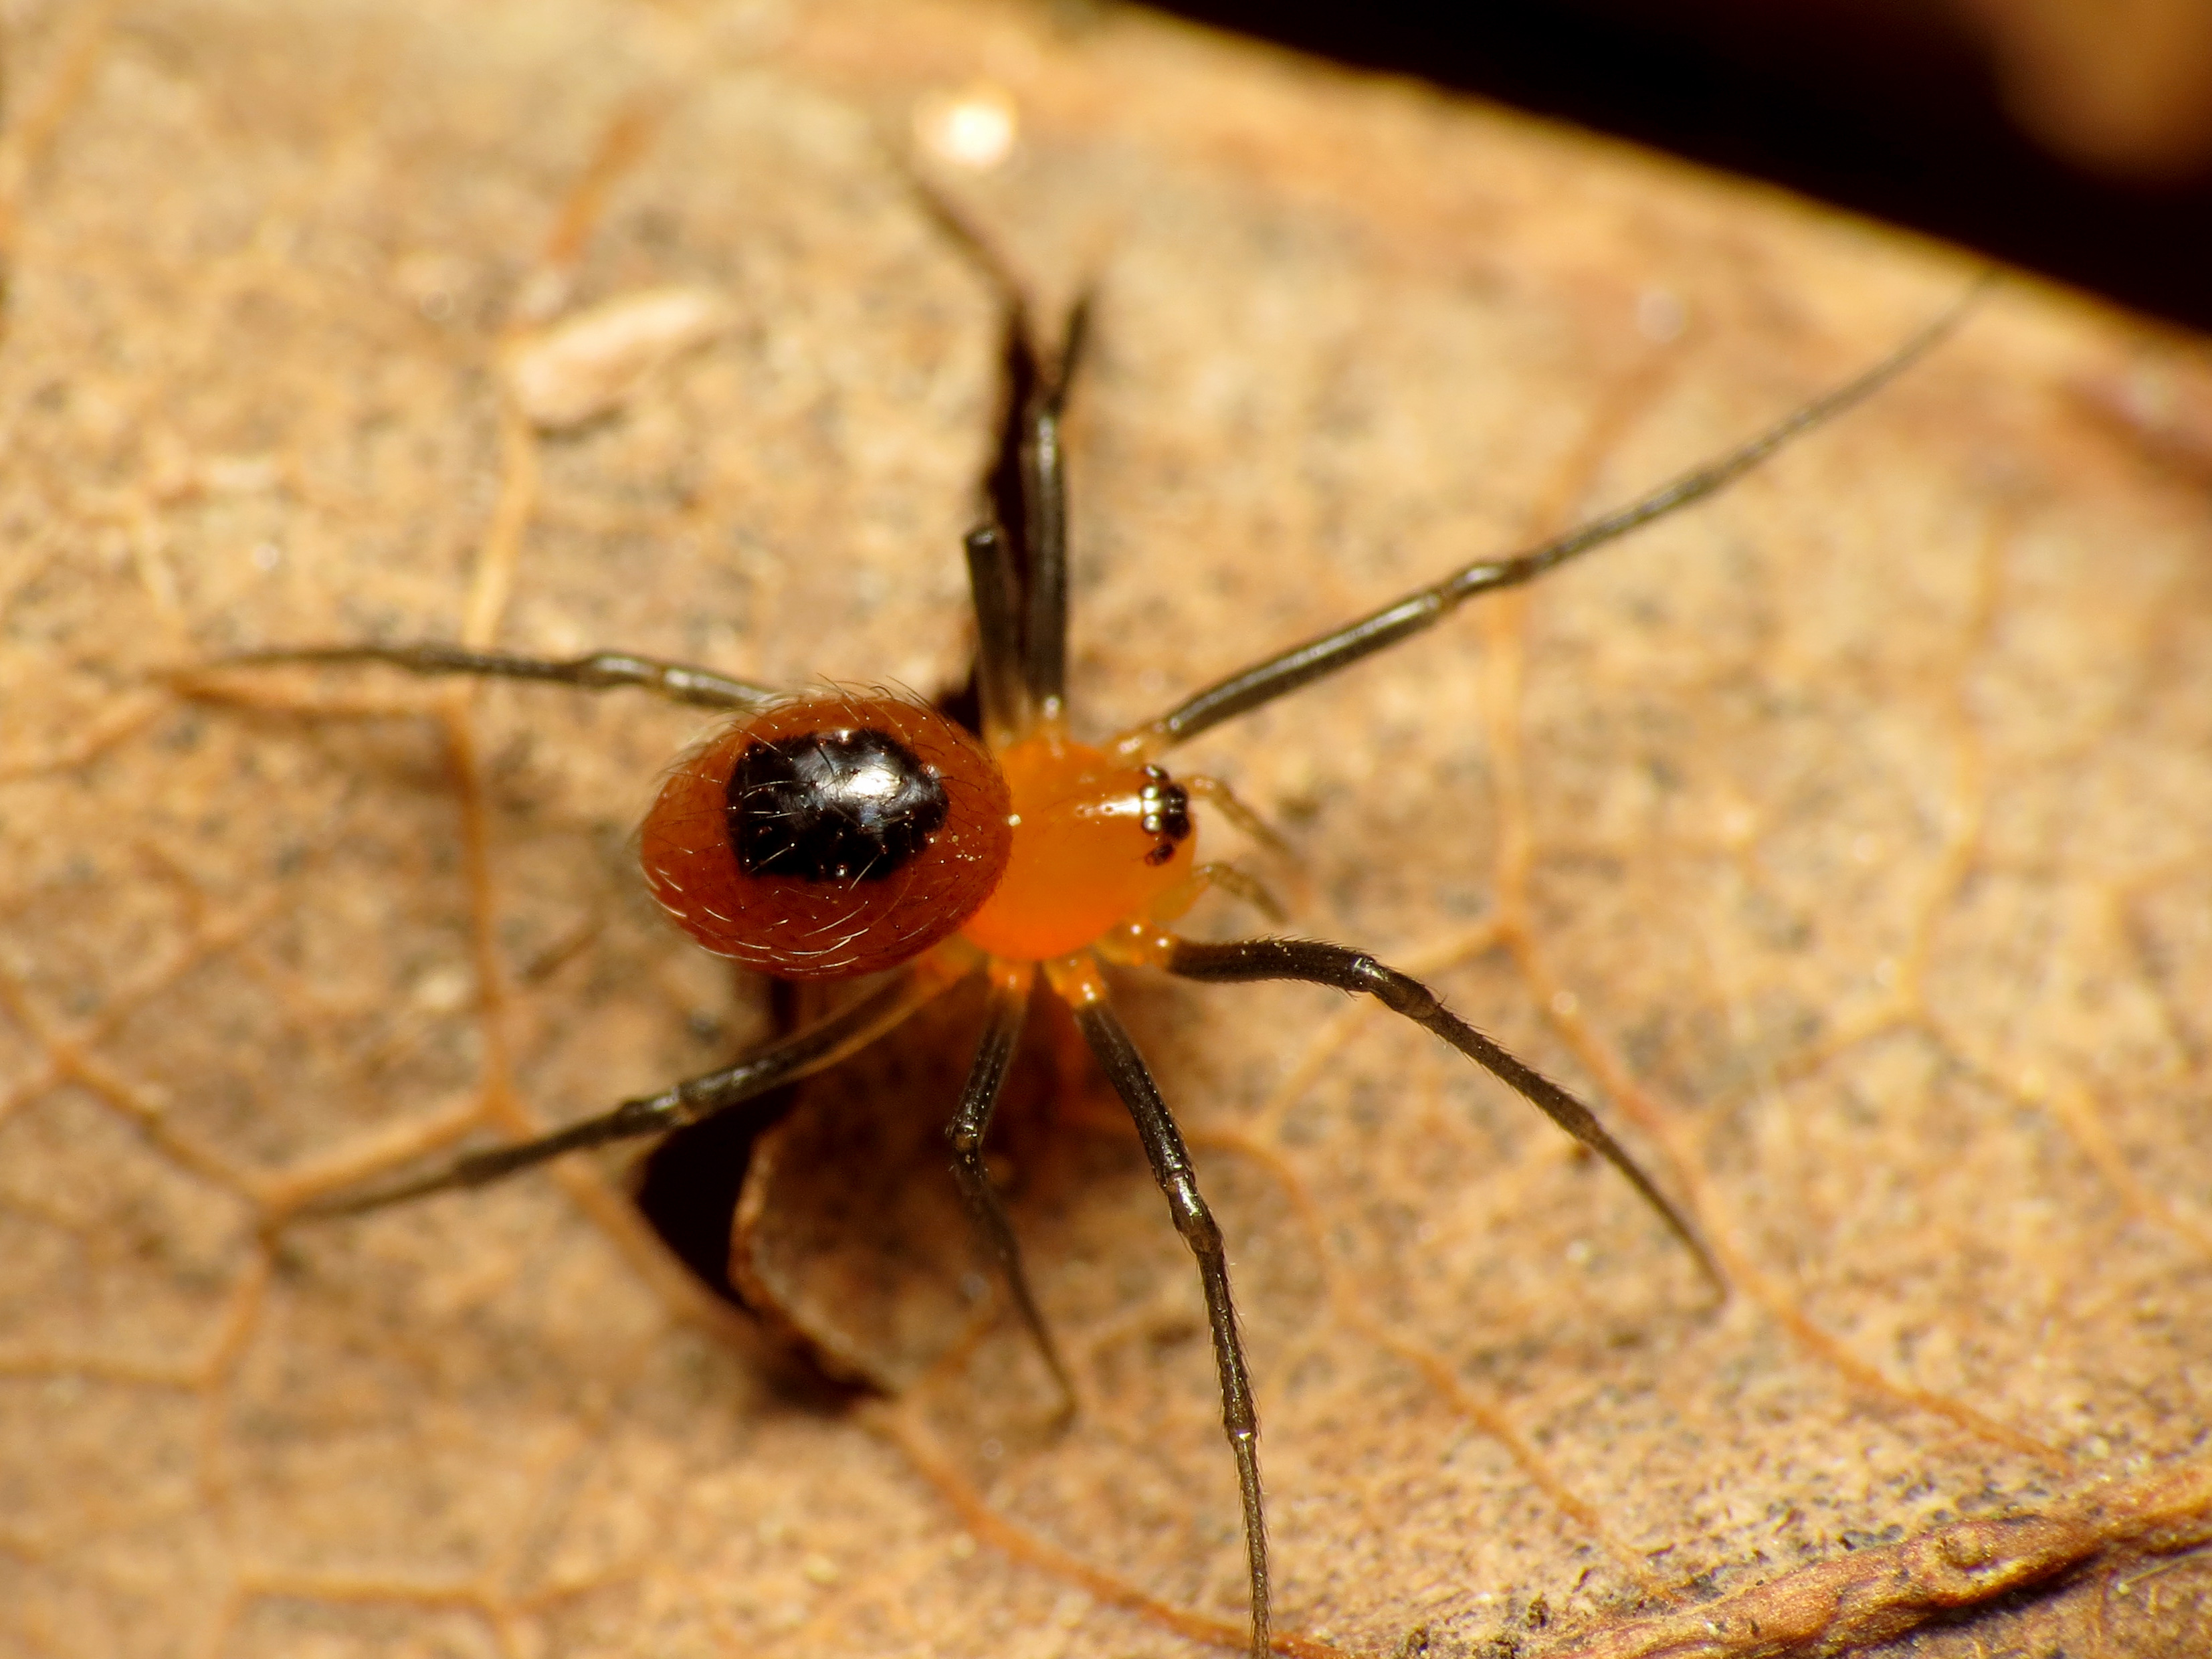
1002 1032
1001 670
826 1041
1044 511
1029 484
1021 611
1302 665
1224 800
602 671
1347 969
1171 1168
1248 889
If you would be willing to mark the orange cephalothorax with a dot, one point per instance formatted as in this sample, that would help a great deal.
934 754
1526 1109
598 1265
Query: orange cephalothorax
831 836
1096 840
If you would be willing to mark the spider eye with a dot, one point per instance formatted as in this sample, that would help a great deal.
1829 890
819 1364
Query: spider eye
827 836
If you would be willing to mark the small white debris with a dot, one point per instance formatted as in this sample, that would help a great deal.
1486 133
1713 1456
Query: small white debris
974 128
436 283
1661 316
594 363
444 990
237 475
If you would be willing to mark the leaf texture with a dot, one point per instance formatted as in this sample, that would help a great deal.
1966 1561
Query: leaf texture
1844 839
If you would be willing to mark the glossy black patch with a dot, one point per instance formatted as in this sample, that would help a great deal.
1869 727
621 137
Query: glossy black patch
832 806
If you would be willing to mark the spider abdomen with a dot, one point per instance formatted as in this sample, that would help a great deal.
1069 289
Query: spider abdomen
831 836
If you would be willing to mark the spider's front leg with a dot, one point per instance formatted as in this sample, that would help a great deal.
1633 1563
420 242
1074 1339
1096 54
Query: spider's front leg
601 671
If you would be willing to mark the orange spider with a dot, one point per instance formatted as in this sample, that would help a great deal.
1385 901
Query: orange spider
832 835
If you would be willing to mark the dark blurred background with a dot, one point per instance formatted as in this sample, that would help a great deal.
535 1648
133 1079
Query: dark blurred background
2070 137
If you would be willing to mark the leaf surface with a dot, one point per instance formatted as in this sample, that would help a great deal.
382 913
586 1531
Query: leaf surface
1843 839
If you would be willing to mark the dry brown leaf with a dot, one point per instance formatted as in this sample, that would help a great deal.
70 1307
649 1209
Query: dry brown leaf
1847 837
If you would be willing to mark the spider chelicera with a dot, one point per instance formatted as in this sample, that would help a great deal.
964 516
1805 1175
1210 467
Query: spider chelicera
840 834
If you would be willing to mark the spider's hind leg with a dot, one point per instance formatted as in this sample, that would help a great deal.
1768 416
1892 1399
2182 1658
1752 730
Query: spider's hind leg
826 1041
971 1122
1079 986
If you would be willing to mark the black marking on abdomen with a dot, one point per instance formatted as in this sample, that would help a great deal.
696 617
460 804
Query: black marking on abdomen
840 806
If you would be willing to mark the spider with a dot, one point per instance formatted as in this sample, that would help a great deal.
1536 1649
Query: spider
841 834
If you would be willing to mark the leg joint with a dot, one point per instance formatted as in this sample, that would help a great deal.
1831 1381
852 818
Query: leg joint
1192 1218
1400 993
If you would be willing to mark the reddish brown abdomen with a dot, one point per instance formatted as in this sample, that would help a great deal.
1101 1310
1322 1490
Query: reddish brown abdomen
831 836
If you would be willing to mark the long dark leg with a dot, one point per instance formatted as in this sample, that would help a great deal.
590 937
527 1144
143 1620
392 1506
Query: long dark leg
602 671
1001 670
1286 670
1044 510
1171 1167
1027 486
987 1077
823 1043
1348 969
